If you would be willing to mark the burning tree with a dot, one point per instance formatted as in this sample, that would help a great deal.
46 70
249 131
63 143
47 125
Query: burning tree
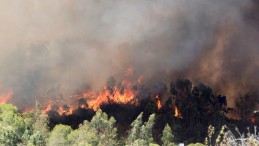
191 109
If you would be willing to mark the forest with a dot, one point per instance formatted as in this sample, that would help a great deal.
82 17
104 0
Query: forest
201 120
129 72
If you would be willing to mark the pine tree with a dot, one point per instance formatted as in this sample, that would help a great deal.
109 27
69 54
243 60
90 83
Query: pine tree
37 139
135 129
168 137
84 135
100 131
104 128
41 123
59 135
141 134
146 129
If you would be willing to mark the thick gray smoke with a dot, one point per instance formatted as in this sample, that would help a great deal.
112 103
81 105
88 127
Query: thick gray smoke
61 46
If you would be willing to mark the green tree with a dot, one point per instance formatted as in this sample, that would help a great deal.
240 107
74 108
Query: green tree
135 130
26 136
11 124
41 122
28 121
8 136
141 134
83 136
37 139
146 129
104 128
59 135
168 136
100 131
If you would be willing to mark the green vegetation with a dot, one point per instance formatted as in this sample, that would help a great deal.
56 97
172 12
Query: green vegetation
168 137
31 129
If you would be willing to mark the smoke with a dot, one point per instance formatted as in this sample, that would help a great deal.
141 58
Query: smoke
49 47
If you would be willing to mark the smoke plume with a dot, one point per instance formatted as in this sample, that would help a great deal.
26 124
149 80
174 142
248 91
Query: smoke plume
58 47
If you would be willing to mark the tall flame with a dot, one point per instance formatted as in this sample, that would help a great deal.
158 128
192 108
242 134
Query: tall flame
125 95
177 113
159 105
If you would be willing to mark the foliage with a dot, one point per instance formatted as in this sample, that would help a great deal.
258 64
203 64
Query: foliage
135 129
37 139
32 129
82 137
41 122
100 131
141 134
11 125
8 136
59 135
146 129
104 128
167 137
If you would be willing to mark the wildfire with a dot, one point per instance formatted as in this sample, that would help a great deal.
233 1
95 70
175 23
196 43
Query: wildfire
67 110
118 95
6 96
177 113
158 102
48 108
124 94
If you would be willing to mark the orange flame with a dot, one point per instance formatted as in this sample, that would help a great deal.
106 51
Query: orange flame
48 108
177 113
66 111
158 102
62 110
124 94
127 95
5 97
